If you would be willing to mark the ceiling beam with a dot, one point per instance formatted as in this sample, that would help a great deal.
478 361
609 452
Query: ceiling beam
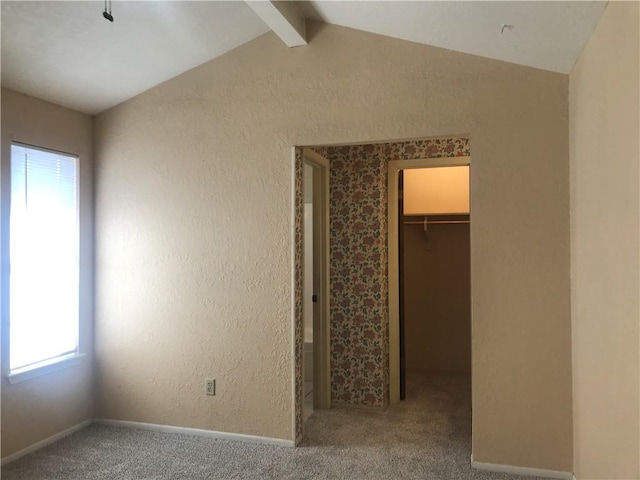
284 18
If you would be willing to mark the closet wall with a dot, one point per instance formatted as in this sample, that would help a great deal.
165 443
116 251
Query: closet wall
437 297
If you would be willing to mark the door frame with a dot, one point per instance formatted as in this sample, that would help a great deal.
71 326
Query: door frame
321 333
392 241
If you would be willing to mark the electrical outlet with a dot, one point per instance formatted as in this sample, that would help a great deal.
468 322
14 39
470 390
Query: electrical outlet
209 386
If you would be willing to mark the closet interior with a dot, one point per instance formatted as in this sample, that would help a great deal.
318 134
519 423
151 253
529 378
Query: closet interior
435 294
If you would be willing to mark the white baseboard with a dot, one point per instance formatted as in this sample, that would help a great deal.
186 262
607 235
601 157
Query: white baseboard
533 472
45 442
195 431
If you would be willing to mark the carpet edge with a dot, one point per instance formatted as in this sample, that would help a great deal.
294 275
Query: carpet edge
513 469
44 442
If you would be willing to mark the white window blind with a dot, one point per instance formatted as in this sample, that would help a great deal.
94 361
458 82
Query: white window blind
43 282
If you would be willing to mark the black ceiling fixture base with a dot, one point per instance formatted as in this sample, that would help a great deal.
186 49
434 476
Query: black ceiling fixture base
107 13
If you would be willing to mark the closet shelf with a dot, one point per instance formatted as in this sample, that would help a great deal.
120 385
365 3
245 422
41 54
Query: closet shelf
436 222
439 219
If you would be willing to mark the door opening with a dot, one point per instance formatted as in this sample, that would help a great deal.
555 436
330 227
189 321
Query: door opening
400 355
309 291
317 394
401 311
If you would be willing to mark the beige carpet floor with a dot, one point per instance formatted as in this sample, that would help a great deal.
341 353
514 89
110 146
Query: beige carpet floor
428 436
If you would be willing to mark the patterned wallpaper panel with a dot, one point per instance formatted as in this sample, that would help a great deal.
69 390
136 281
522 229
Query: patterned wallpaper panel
298 292
358 302
359 327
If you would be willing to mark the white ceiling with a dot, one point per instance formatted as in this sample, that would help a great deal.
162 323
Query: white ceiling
66 53
544 34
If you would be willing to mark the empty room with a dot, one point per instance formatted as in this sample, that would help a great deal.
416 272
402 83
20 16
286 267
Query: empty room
320 240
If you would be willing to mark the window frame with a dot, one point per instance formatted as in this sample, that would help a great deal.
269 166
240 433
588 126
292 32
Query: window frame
65 360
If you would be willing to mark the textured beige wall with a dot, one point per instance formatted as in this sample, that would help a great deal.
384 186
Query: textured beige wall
437 297
605 245
193 206
41 407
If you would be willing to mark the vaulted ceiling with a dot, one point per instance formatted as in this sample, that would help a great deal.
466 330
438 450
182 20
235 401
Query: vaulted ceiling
67 53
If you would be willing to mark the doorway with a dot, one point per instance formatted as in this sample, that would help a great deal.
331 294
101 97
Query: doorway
316 361
398 358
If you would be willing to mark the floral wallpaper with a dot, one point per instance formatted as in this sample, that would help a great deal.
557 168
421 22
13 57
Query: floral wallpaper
358 301
359 324
298 291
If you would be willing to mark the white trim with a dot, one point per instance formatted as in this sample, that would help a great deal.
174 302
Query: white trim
314 156
392 261
45 442
533 472
198 432
44 368
284 19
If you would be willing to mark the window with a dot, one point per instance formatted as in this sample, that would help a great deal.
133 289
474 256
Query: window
43 257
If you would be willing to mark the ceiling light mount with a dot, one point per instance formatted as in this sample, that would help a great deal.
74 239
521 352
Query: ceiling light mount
107 13
504 25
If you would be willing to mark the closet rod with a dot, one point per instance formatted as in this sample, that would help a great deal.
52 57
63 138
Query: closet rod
437 222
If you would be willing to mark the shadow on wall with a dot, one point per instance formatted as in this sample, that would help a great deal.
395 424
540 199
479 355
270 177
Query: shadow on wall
437 294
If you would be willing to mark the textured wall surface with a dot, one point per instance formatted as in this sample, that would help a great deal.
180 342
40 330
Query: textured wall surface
195 230
605 248
41 407
437 297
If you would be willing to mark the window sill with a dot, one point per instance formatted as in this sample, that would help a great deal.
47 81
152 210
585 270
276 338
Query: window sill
44 368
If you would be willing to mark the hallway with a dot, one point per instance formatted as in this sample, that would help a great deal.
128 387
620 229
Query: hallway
426 436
